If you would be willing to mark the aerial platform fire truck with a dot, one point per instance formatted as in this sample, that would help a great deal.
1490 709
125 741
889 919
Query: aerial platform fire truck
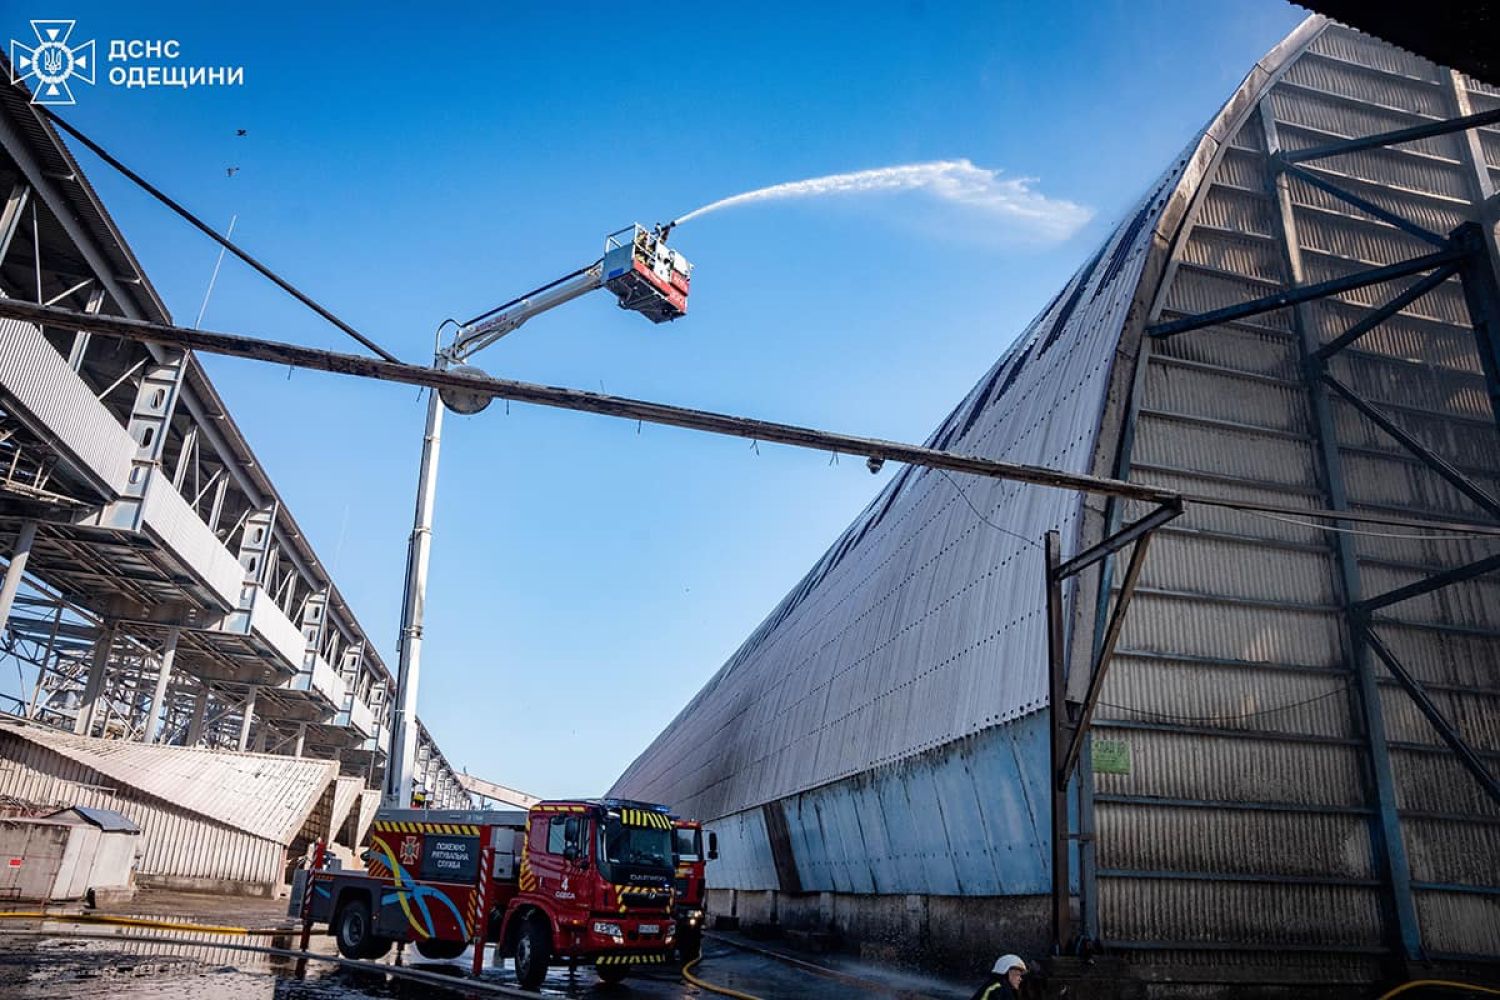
566 883
690 895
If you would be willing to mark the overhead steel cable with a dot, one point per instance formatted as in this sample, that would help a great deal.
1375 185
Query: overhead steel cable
223 241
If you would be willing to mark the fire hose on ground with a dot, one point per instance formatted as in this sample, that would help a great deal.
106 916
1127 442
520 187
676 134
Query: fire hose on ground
378 967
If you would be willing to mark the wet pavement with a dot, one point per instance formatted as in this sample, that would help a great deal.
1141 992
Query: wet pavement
52 960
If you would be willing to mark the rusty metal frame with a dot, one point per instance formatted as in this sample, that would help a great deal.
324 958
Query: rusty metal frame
1070 721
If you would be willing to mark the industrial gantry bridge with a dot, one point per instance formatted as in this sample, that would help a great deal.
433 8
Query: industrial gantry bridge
158 589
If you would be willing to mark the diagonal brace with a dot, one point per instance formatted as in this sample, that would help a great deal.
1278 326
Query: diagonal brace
1466 754
1120 539
1392 138
1385 312
1436 462
1100 666
1306 293
1428 584
1363 204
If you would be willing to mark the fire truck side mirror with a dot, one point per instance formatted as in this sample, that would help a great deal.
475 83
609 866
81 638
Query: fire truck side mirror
572 831
713 846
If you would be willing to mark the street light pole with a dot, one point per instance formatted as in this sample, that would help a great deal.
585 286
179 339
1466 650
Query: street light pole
403 739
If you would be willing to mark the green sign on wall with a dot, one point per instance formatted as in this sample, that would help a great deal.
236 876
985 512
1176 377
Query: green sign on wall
1111 756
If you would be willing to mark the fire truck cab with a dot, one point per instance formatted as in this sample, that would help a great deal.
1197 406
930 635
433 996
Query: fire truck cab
690 856
567 882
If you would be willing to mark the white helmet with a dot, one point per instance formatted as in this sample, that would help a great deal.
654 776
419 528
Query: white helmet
1005 963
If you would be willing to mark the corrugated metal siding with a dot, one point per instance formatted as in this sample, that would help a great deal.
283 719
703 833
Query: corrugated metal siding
967 819
922 625
37 381
176 843
1233 689
182 532
269 797
1245 819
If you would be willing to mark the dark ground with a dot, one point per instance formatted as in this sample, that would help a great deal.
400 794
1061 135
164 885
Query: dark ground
60 965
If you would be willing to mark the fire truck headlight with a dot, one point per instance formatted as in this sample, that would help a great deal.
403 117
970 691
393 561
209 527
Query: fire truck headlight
607 929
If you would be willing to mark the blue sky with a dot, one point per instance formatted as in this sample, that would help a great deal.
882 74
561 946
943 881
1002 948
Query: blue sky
406 166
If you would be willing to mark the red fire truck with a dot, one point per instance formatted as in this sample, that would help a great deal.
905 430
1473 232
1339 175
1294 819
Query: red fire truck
567 882
690 897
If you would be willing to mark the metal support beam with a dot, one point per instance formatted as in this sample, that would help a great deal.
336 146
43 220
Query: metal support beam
197 719
1392 138
1062 883
1451 736
88 707
1363 204
1084 716
1432 460
19 554
1482 294
1385 312
765 431
156 714
247 717
1389 842
1425 586
231 345
1298 294
1117 541
10 216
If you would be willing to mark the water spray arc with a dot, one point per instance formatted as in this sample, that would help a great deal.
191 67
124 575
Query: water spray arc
957 182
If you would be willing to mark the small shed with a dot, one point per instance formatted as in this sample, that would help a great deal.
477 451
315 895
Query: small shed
119 848
68 855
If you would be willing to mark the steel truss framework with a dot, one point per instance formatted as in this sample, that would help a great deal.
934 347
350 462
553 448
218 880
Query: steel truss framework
1467 252
109 629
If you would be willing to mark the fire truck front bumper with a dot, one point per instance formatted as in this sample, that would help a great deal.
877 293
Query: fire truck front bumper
632 940
634 958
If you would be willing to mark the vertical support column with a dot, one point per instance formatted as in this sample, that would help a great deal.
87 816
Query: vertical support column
255 543
1057 782
314 626
185 457
150 420
81 338
157 712
246 718
1390 845
301 741
199 717
10 216
88 708
1482 295
19 554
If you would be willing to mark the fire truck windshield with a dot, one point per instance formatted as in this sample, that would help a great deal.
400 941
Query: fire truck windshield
638 847
688 844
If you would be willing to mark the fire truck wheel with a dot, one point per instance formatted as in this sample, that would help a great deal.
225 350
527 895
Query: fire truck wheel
353 929
441 951
533 950
378 948
612 974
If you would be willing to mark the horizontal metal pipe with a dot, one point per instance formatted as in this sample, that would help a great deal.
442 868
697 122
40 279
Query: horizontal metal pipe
234 345
297 356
